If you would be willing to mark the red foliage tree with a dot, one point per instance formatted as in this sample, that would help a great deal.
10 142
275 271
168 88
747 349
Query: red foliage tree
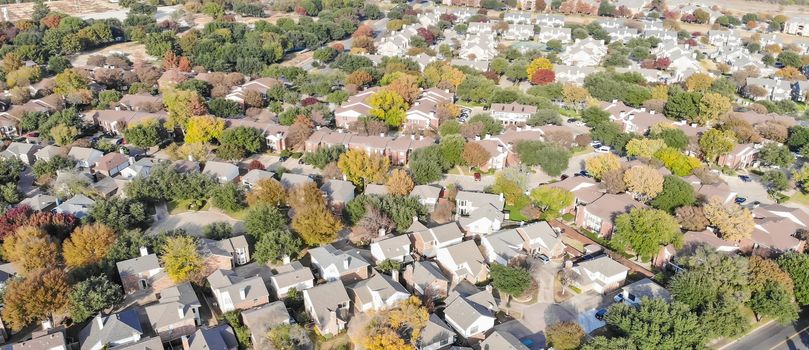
338 46
662 63
363 30
184 64
426 34
647 63
14 218
543 77
309 101
255 165
300 10
448 17
58 225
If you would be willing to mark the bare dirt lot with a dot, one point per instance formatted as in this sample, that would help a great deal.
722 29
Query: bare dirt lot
71 7
136 52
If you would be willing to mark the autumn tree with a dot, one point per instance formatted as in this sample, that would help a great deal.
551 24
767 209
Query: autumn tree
298 132
303 195
181 105
644 181
551 200
399 183
388 106
35 297
565 335
406 86
88 244
181 259
398 328
474 155
644 148
698 82
203 129
360 168
597 166
543 77
714 143
268 191
733 222
316 224
763 271
691 218
538 64
30 249
646 230
712 107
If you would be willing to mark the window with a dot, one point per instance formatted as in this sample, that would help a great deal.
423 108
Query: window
143 284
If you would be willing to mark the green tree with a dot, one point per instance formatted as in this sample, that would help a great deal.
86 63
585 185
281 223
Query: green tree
775 180
676 193
120 214
92 296
552 158
514 281
776 154
565 335
797 266
490 125
228 197
248 138
427 164
289 337
683 105
775 301
223 108
50 167
551 200
790 59
715 142
145 134
646 230
452 149
673 137
658 324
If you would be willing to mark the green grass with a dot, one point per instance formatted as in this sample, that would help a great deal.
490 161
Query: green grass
800 198
181 206
515 210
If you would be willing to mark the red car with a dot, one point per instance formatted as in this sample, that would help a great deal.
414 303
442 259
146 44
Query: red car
477 176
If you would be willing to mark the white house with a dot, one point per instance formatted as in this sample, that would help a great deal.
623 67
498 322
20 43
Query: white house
377 293
395 248
601 274
554 33
519 32
289 276
470 314
221 171
463 261
798 25
584 53
502 246
512 113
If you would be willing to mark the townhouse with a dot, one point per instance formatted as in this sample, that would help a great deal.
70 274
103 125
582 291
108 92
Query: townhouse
554 33
463 261
512 113
291 276
519 32
768 89
584 53
333 264
422 114
602 274
544 20
328 306
234 292
599 216
479 213
379 292
354 108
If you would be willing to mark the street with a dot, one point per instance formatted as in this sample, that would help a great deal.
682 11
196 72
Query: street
774 336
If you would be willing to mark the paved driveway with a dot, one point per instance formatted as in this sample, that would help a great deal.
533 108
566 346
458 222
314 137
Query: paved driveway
753 190
545 275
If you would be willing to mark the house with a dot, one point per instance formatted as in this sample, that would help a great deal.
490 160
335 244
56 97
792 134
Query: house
599 216
720 191
611 23
427 194
260 85
354 108
226 253
261 319
221 171
290 180
798 25
481 28
338 193
289 276
645 288
396 248
234 292
742 156
328 306
427 241
25 152
517 17
621 33
220 337
49 152
40 202
276 136
86 158
176 314
398 150
544 20
435 335
78 205
333 264
601 275
800 90
8 125
112 164
116 121
251 179
519 32
774 89
51 339
554 33
143 274
502 246
470 311
375 189
724 38
141 102
463 261
777 227
541 238
502 340
584 53
479 213
572 75
478 47
110 331
422 114
585 190
141 168
512 113
425 277
379 292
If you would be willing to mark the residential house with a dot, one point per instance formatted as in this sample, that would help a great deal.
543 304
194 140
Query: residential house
338 193
111 331
112 164
800 89
25 152
798 25
480 47
333 264
644 288
540 237
251 179
502 340
141 168
544 20
116 121
220 337
584 189
718 190
724 38
470 312
86 158
289 276
572 75
427 241
463 261
481 28
554 33
428 195
221 171
512 113
708 238
422 114
141 102
479 213
601 275
176 314
328 306
742 156
49 152
40 202
611 23
621 33
396 248
78 205
517 17
276 136
435 335
425 277
774 89
777 227
584 53
599 216
375 189
354 108
143 274
662 35
290 180
379 292
502 246
51 339
234 292
226 253
371 145
8 125
519 32
260 85
261 319
398 150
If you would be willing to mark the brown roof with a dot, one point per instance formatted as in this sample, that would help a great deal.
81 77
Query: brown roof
608 206
513 107
110 161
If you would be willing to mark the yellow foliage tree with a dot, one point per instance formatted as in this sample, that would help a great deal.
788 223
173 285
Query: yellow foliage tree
599 165
574 95
644 181
790 73
698 82
713 107
399 183
316 224
660 92
360 168
733 222
644 148
397 328
30 249
88 244
537 64
181 259
203 128
267 191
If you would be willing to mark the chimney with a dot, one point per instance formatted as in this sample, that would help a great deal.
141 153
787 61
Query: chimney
345 263
345 178
131 160
421 137
184 340
144 251
99 321
47 323
488 287
412 136
381 134
180 312
243 293
190 158
501 196
395 275
381 232
121 150
285 259
477 138
643 109
487 137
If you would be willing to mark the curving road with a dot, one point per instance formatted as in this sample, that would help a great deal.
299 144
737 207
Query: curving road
774 336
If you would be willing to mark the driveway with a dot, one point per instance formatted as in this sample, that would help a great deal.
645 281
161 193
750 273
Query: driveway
194 221
753 190
545 275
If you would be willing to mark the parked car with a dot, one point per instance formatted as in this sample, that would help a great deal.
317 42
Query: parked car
582 173
543 258
477 176
740 200
595 144
745 178
600 314
604 149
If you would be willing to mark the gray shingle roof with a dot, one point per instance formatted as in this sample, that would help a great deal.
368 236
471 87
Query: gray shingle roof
500 340
229 282
139 264
106 329
465 310
325 298
173 301
217 338
329 255
292 274
259 320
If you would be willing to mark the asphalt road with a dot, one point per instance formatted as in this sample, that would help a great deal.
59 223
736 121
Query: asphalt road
777 337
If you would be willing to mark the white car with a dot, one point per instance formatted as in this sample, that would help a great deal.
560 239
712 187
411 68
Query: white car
604 149
579 124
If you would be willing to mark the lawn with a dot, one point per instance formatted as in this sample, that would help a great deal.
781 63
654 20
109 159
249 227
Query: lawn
515 210
800 198
181 206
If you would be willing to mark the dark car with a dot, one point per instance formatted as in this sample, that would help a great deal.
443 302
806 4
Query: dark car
583 173
477 176
563 177
745 178
740 200
284 158
600 314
